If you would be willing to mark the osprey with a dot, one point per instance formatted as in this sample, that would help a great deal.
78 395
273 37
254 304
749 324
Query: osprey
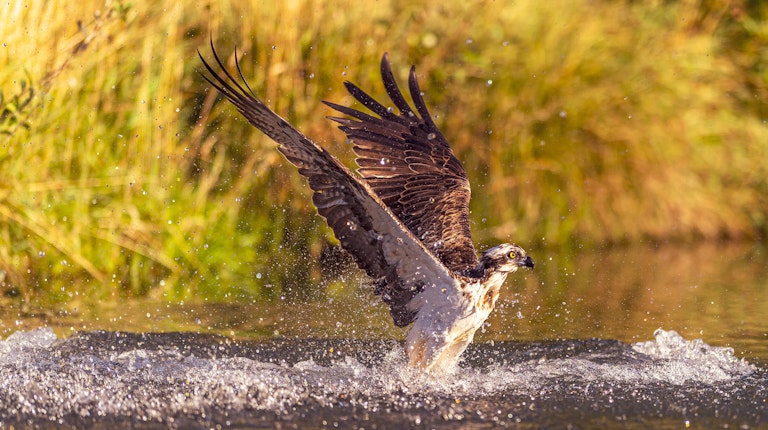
404 218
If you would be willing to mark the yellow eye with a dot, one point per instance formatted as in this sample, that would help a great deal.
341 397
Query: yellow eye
512 255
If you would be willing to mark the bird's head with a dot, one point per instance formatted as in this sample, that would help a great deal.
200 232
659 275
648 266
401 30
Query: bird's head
506 257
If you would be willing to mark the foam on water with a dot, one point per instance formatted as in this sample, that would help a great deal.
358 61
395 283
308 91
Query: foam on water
40 377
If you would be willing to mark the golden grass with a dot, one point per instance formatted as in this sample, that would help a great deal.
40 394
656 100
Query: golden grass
599 122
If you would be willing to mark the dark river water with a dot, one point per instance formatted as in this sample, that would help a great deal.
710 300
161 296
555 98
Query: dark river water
626 338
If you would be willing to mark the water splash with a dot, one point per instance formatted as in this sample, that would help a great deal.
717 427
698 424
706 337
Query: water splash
22 342
679 360
194 379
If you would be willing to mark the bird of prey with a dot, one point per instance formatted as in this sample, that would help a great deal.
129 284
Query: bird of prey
404 219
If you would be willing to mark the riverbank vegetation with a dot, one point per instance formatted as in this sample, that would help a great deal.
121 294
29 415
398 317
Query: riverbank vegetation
122 173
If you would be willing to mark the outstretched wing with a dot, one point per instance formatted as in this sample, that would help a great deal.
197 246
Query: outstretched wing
410 165
380 244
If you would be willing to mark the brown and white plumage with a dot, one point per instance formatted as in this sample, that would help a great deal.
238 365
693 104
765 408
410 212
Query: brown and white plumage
410 165
405 221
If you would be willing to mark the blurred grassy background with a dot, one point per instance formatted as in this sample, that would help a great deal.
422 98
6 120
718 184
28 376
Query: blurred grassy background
588 122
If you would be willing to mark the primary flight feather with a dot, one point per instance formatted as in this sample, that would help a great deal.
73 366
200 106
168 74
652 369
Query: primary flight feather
404 219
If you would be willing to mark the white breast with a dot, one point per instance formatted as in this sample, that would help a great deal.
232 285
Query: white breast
448 319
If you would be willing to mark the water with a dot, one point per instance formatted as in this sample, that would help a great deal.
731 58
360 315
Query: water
105 379
641 337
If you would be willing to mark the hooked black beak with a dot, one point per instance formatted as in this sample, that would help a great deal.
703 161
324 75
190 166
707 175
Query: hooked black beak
528 262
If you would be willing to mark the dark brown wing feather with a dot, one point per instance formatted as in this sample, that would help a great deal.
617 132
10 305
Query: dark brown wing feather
380 244
410 165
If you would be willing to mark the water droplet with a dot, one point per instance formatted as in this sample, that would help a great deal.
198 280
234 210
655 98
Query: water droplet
379 237
489 82
431 136
258 275
431 199
563 114
390 110
351 225
384 161
41 253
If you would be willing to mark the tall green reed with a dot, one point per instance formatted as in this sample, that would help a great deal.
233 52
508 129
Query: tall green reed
123 173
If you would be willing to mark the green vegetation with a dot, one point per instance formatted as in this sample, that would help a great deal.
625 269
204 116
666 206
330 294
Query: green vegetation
122 173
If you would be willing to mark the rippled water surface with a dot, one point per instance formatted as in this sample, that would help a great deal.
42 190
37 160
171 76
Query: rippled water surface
638 338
